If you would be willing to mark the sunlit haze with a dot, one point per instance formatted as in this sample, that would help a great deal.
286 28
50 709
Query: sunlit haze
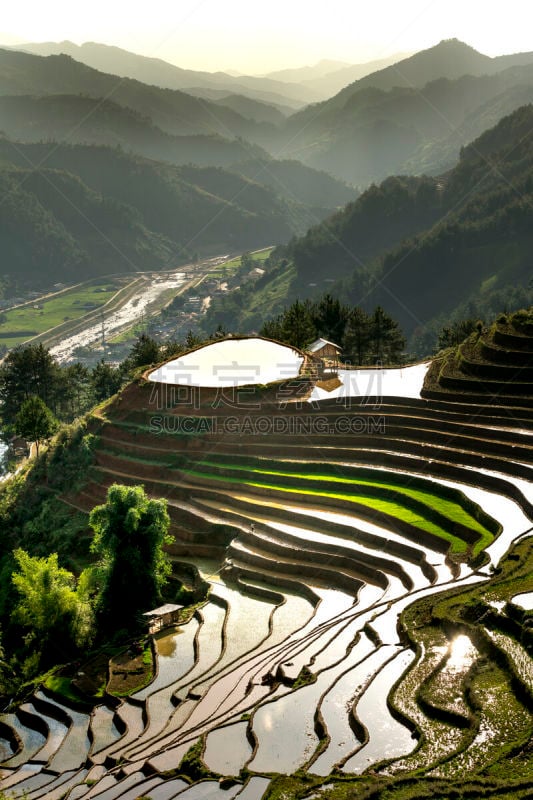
256 38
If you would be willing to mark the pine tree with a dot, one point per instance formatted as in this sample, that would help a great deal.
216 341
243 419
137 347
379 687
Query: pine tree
298 327
357 338
387 340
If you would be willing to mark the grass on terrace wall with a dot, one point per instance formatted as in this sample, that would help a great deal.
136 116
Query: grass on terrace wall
448 508
393 509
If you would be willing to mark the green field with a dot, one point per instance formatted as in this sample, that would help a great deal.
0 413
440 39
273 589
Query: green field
24 323
229 267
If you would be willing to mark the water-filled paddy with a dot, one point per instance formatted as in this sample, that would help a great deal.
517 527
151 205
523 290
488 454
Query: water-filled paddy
384 382
524 600
227 749
388 738
232 362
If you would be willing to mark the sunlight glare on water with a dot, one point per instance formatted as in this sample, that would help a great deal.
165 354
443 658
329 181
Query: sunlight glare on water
462 653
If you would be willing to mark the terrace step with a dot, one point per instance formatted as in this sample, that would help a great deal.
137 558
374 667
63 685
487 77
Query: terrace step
343 531
103 730
358 561
31 730
132 721
30 778
346 578
350 484
498 354
513 341
168 789
382 448
435 430
74 748
325 502
59 786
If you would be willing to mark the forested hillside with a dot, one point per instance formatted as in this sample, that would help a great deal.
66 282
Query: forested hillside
414 120
80 119
96 210
424 247
54 228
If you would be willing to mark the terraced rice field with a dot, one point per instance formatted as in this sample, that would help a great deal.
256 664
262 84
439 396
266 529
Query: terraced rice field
308 655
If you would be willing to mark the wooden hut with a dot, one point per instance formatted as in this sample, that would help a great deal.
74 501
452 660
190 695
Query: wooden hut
327 352
160 617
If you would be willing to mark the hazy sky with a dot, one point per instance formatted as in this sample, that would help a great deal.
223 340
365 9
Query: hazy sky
257 36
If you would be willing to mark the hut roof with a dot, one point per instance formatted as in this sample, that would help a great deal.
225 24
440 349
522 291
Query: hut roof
320 343
168 608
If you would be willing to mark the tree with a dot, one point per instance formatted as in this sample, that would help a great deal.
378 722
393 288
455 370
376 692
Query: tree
145 351
357 339
78 392
28 371
298 327
35 422
457 332
330 317
247 262
192 340
130 532
387 339
106 380
49 604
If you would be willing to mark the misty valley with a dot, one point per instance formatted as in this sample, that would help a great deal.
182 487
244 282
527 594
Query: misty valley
266 408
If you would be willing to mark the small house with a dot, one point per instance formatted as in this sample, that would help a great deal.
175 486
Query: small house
327 352
160 617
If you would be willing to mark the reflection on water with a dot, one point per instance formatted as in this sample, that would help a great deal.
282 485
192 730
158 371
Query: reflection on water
167 643
462 654
388 738
524 600
227 749
5 750
232 362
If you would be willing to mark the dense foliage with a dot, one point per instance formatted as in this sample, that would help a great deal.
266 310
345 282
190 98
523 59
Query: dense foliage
97 210
68 392
51 605
129 533
363 338
35 422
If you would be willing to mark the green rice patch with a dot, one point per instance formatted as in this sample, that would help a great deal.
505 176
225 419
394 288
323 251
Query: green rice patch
386 506
448 508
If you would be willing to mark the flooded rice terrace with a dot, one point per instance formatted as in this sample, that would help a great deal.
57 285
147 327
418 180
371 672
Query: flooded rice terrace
292 661
232 362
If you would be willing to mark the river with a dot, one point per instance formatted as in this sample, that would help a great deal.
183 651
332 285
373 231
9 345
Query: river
128 314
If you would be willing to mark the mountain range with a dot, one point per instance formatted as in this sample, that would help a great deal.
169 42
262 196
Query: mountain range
411 117
182 174
156 72
292 88
427 249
